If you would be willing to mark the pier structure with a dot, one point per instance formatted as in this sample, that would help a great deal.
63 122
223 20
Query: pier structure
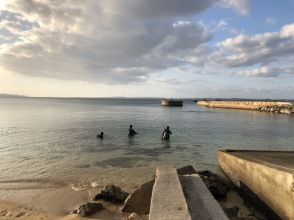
250 105
274 107
172 102
266 176
182 197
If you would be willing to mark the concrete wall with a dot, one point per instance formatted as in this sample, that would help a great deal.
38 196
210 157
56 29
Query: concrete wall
272 185
242 104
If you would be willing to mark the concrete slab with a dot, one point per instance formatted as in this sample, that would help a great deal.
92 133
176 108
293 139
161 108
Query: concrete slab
201 203
283 160
268 174
168 201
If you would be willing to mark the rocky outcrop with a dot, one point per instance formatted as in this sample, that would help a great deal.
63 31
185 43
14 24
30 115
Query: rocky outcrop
187 170
88 209
214 183
112 194
139 201
277 109
232 212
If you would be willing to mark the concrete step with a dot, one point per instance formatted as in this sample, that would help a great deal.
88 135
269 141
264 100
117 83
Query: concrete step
168 201
201 203
183 197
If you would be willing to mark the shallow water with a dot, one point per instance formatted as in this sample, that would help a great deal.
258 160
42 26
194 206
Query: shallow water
55 139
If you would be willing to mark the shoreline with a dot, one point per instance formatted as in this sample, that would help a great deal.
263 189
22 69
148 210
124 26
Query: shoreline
57 203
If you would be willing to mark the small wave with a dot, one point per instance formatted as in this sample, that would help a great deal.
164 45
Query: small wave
95 184
85 187
80 188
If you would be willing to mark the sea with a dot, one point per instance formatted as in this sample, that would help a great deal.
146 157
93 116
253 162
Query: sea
53 140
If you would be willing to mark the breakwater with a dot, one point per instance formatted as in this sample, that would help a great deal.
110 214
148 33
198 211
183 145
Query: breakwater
274 107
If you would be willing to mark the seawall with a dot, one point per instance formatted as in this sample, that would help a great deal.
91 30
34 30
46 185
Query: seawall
269 174
276 107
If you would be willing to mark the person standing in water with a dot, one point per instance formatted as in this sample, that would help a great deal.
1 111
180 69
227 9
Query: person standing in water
101 135
132 132
165 135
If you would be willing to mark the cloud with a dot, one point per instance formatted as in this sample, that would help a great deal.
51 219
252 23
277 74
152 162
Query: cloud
271 21
222 24
245 50
241 6
106 41
264 71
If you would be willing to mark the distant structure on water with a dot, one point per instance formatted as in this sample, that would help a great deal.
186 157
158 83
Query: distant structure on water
172 102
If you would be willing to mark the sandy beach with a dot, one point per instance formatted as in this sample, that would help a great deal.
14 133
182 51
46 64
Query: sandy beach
50 203
9 210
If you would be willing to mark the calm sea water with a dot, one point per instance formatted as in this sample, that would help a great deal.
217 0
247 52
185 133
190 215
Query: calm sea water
55 139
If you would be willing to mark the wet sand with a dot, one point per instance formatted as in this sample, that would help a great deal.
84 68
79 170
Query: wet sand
48 203
9 211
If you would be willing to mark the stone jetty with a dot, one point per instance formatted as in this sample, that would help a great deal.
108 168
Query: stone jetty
274 107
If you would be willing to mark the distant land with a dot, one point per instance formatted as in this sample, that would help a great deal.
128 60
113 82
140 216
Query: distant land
4 95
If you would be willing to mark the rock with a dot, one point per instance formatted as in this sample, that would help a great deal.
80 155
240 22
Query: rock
88 209
187 170
286 111
139 200
112 194
214 183
232 212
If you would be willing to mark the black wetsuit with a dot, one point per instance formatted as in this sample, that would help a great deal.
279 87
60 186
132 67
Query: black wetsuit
132 132
166 134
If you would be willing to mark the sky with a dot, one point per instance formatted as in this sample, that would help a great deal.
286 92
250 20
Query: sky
147 48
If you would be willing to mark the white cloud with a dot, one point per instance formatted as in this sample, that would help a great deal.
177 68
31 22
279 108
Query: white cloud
241 6
105 40
222 24
271 21
261 72
245 50
111 42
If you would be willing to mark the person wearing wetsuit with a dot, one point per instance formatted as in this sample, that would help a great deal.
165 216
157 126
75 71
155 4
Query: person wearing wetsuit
132 132
100 135
165 135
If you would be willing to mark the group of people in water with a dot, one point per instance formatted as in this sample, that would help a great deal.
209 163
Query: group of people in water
165 134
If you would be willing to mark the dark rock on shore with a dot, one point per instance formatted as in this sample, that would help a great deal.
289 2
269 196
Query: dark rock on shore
112 194
187 170
88 209
139 201
214 183
232 212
